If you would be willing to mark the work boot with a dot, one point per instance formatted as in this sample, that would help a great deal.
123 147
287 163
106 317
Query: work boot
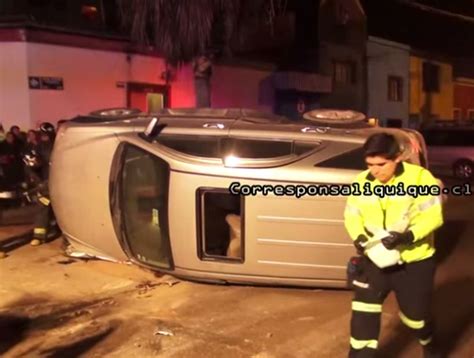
36 242
431 350
53 232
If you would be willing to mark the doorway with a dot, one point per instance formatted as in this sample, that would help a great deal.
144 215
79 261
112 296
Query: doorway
147 97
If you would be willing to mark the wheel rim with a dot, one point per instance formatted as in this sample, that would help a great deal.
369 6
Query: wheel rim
464 171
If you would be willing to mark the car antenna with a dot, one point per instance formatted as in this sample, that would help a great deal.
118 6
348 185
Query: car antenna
152 130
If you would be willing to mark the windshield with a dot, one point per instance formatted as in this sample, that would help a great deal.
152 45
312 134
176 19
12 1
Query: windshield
144 204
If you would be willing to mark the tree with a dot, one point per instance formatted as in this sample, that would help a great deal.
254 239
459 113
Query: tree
196 31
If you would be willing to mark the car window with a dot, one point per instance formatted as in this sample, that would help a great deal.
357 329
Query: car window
449 138
143 204
218 147
254 148
200 146
353 159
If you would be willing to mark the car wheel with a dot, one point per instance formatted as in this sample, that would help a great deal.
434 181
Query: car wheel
463 169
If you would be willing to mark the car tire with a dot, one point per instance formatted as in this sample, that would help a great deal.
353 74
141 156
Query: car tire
463 169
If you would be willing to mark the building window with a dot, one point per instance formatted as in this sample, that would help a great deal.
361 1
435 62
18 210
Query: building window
457 114
395 88
470 114
344 72
430 77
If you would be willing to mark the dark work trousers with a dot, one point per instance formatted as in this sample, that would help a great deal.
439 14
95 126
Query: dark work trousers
413 287
44 222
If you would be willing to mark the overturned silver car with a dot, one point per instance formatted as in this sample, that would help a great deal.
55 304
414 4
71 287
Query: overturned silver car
207 194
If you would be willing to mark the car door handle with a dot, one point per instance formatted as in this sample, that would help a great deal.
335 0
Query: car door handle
315 129
214 125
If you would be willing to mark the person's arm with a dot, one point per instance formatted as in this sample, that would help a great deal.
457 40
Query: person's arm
427 210
353 221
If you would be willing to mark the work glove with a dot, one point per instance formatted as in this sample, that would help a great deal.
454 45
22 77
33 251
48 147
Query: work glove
358 243
397 238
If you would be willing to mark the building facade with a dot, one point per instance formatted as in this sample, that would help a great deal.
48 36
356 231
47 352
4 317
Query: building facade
388 82
342 53
431 88
48 76
464 99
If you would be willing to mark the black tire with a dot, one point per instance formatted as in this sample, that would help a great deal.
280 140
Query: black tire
463 169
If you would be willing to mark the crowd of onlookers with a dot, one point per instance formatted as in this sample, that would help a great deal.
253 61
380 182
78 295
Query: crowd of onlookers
24 157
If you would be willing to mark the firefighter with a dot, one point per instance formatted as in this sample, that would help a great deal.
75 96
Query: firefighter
45 222
404 223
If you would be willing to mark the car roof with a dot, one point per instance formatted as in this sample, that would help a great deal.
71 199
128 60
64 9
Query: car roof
318 124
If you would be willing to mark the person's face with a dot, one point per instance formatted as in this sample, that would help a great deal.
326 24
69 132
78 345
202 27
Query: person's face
381 168
16 130
10 138
44 137
31 136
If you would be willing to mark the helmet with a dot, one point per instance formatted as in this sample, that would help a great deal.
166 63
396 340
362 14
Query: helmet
48 129
32 159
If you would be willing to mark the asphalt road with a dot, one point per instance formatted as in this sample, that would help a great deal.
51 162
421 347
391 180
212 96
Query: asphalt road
54 306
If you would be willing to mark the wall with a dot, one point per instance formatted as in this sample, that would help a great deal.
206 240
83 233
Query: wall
344 96
182 88
442 101
89 76
342 37
242 87
90 80
384 59
14 93
464 95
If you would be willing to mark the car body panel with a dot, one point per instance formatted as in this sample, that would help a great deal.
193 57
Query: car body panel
448 145
284 240
79 188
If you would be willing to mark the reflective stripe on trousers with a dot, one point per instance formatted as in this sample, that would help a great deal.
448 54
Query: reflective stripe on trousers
361 344
39 231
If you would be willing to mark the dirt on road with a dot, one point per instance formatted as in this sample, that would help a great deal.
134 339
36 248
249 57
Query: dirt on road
55 306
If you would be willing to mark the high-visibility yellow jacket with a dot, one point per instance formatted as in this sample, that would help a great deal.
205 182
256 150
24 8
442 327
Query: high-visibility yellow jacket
368 214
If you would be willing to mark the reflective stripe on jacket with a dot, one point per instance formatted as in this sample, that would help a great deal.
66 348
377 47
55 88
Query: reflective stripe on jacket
368 214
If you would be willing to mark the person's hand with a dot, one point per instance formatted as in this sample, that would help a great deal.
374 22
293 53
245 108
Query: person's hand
358 243
397 238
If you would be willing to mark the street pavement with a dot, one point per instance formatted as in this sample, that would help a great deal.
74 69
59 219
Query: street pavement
55 306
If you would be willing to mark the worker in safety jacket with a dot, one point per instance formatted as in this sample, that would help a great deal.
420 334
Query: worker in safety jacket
404 223
45 222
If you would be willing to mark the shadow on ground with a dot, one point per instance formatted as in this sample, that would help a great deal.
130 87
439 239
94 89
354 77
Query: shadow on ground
80 347
453 309
43 317
447 237
12 330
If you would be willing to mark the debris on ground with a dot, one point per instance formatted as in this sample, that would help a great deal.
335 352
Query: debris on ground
163 332
171 282
66 262
146 286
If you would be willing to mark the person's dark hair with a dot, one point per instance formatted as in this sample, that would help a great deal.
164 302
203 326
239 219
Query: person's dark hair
381 144
14 127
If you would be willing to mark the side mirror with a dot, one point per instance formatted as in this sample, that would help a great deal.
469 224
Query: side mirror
152 130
